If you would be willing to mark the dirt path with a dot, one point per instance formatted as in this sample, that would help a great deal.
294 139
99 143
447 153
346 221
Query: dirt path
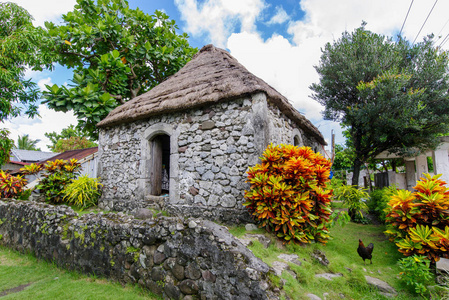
15 289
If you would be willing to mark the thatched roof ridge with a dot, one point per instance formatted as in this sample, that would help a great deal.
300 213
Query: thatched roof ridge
212 75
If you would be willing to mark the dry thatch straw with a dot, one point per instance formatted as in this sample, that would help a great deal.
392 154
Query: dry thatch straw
212 75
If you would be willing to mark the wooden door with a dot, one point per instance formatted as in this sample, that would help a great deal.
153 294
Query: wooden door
156 170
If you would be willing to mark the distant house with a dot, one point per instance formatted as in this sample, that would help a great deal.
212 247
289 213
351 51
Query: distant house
88 159
188 142
417 166
19 158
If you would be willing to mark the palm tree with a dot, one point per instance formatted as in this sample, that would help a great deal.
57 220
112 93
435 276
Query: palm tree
24 142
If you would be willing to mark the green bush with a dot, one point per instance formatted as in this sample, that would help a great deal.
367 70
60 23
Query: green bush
354 199
415 272
83 192
57 174
289 194
378 201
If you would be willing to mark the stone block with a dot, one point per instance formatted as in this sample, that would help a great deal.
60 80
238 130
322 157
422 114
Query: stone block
206 125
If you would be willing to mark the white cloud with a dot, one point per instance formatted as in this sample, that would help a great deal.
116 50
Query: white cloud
46 10
284 66
218 18
280 17
49 121
41 83
288 66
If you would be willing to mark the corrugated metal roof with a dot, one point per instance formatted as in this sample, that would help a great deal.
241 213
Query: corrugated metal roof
77 154
19 163
31 155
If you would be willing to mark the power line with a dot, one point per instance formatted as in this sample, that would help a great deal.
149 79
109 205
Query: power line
443 27
444 41
425 21
406 17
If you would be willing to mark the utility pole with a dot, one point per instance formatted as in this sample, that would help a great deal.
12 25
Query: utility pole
333 146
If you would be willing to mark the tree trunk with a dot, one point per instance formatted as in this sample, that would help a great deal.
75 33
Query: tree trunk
356 172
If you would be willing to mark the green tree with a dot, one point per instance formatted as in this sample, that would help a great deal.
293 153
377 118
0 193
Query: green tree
19 50
343 158
24 142
6 144
388 96
70 138
73 143
117 54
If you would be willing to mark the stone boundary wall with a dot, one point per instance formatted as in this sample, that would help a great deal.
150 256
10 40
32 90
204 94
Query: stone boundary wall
181 259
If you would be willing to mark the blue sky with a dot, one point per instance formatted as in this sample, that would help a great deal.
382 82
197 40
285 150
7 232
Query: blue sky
279 41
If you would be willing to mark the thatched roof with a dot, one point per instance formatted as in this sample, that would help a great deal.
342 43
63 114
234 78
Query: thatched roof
212 75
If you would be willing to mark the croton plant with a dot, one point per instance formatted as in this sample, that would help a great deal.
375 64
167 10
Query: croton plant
11 186
418 222
289 194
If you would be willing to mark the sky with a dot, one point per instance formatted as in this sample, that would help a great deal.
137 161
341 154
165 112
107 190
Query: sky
279 41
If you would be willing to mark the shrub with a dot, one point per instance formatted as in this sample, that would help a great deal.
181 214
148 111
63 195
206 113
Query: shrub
11 186
378 201
83 192
289 194
354 199
56 175
415 272
418 222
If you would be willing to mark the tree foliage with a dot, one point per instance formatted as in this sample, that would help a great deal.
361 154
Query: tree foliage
389 96
19 50
343 158
117 54
70 138
6 144
24 142
73 143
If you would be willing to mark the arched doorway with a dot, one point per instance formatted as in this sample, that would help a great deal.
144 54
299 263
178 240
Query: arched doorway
160 164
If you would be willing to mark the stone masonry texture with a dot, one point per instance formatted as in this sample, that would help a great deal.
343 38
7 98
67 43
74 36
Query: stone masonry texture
211 150
178 258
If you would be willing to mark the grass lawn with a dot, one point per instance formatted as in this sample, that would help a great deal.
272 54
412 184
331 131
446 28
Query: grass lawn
341 251
25 277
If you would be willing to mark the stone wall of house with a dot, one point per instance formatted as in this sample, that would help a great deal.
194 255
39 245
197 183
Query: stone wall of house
282 130
211 149
181 259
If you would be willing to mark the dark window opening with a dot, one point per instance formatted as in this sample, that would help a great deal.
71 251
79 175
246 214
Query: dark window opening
296 141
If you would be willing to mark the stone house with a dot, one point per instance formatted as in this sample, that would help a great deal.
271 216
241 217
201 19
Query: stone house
188 142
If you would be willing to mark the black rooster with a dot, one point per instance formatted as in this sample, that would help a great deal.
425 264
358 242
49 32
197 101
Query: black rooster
365 252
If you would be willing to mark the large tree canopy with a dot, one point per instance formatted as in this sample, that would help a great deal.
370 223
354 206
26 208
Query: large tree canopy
118 53
70 138
388 96
19 50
